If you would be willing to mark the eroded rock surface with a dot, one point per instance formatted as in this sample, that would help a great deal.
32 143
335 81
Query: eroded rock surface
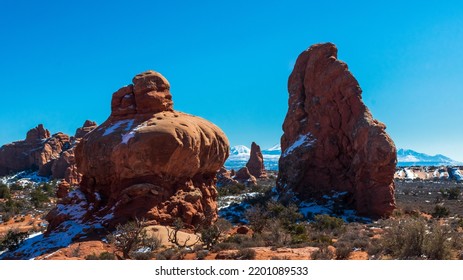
255 163
331 141
148 161
37 152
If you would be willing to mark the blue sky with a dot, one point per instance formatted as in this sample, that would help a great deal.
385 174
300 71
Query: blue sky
229 61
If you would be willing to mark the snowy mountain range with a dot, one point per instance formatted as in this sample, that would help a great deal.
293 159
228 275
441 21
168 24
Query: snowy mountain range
239 155
407 157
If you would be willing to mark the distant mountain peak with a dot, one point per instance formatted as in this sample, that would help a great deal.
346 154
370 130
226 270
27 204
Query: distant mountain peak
239 149
408 156
276 147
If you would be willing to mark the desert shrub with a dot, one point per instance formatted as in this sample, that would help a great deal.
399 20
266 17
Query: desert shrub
101 256
142 255
16 187
257 218
39 197
168 254
324 253
173 236
415 239
233 189
404 238
245 254
375 248
287 215
5 191
343 250
397 213
210 235
451 194
318 238
440 211
299 234
277 235
239 239
12 207
12 240
131 238
436 244
327 223
172 254
224 246
201 255
353 238
49 188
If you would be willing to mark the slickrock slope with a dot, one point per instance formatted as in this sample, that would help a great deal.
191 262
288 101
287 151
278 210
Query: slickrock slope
331 141
146 161
255 163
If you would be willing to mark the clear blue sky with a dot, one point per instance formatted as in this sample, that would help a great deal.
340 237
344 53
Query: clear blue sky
228 61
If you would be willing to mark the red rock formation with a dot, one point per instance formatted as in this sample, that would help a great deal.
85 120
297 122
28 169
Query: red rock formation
148 161
245 177
86 128
224 177
36 152
65 166
63 189
255 163
330 140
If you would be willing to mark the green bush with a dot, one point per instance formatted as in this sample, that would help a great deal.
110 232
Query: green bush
49 188
343 249
16 187
436 245
5 191
101 256
415 239
323 254
13 207
440 212
257 218
210 235
327 223
451 194
39 197
234 189
12 240
245 254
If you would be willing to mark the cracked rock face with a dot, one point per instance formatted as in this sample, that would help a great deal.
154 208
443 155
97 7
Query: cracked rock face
149 161
331 141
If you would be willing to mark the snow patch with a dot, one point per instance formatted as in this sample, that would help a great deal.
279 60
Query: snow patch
128 125
306 140
24 178
409 174
126 137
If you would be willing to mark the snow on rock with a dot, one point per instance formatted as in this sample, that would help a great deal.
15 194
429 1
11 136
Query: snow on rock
302 141
128 125
409 174
126 137
24 178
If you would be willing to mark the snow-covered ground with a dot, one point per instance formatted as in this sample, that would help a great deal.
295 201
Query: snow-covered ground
24 178
233 208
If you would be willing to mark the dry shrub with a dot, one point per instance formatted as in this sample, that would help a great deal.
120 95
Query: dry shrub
324 253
